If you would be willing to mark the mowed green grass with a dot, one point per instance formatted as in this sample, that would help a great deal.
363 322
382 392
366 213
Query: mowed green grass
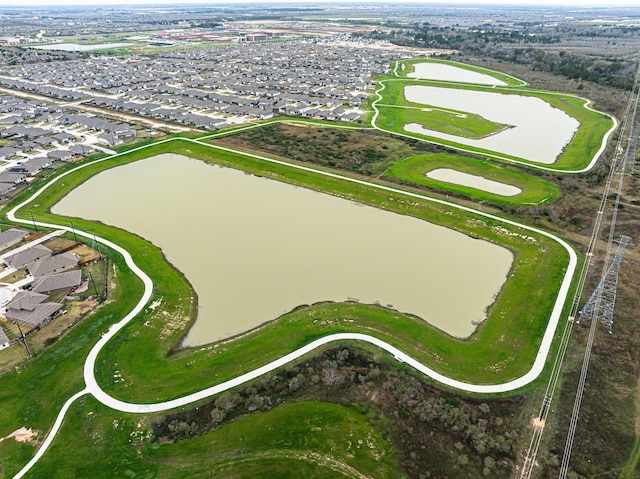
398 112
503 348
302 439
534 190
576 155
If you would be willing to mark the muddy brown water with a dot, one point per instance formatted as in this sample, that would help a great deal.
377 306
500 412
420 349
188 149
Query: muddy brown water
255 248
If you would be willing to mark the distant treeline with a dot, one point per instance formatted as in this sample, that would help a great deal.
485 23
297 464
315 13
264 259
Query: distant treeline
518 47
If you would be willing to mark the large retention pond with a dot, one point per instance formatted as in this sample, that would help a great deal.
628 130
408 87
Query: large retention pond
255 248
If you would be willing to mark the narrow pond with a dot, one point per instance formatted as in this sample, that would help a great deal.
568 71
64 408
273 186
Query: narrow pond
456 177
444 72
255 248
76 47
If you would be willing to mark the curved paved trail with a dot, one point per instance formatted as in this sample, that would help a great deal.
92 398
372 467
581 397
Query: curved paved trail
93 388
529 164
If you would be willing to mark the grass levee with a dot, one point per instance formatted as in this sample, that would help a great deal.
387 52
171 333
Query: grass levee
152 368
534 190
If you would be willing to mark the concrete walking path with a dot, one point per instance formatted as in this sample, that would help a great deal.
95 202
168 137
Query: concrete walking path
459 147
93 388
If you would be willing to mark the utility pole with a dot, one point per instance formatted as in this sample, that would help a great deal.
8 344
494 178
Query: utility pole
33 221
75 238
97 243
24 339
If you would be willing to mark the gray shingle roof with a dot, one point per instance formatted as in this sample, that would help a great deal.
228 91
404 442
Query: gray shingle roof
11 237
22 258
52 282
26 300
3 337
52 264
31 308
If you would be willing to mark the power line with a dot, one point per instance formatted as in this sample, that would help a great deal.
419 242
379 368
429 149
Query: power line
601 303
539 423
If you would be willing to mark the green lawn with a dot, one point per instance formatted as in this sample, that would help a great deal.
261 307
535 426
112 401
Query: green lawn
534 190
578 153
466 125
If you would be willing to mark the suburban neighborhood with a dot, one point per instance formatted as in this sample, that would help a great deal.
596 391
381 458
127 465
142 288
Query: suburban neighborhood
38 274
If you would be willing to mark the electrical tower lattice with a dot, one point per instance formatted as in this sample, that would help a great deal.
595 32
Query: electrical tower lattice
602 301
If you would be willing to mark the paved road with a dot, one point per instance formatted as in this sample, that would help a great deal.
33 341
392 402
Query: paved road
40 239
92 386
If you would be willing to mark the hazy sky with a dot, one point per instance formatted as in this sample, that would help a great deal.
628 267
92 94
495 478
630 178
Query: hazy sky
601 3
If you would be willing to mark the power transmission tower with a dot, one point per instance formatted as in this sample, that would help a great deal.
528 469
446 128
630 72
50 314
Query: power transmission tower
602 301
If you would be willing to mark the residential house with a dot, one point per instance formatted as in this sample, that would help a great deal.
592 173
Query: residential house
44 141
11 237
53 264
64 137
59 155
23 258
109 139
5 188
7 152
56 282
81 149
31 309
13 178
36 165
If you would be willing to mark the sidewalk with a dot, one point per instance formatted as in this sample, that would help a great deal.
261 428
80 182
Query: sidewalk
36 241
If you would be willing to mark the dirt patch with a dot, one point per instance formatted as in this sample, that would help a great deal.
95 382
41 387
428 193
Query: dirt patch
22 435
537 423
59 244
85 253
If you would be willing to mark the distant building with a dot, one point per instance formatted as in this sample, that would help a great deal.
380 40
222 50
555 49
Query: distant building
12 40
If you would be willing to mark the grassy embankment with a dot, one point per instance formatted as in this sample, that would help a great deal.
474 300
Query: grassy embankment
578 153
502 349
320 440
534 190
452 122
375 154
